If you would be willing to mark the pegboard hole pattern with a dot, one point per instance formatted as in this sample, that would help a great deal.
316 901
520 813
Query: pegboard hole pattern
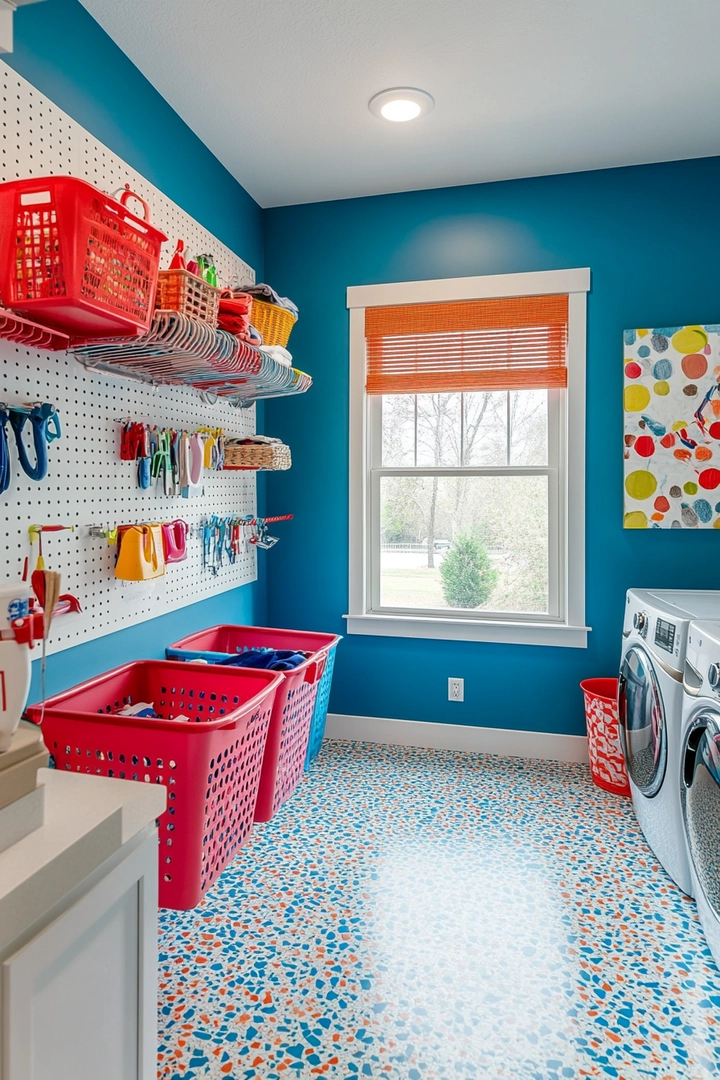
87 484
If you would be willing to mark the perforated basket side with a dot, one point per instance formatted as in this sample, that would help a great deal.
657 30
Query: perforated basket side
286 742
319 718
181 291
232 787
211 777
209 763
297 715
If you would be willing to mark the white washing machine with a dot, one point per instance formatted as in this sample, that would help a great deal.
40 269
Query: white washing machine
700 775
650 700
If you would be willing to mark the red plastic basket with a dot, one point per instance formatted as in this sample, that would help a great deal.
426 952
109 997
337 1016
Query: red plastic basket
210 766
607 764
289 730
74 258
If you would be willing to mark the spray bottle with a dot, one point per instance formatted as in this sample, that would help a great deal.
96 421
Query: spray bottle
20 628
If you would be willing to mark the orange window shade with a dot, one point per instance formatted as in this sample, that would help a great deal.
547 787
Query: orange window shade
515 343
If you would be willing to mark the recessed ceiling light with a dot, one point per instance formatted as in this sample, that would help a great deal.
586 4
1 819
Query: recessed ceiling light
400 104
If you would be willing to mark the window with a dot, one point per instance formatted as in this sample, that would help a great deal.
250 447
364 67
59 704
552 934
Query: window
467 458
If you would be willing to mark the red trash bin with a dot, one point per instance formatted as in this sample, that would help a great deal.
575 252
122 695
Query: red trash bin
607 763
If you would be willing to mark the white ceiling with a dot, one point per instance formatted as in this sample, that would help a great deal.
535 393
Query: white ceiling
278 89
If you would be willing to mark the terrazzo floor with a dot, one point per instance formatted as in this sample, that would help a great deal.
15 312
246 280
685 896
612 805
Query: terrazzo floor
423 915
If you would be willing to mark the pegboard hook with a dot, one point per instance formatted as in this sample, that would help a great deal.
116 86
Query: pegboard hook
34 531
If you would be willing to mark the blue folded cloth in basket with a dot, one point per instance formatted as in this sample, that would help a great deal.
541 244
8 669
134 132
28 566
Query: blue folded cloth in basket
271 659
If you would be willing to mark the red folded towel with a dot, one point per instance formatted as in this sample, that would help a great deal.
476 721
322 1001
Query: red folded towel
234 314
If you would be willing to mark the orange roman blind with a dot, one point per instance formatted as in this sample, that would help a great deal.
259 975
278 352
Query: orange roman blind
514 343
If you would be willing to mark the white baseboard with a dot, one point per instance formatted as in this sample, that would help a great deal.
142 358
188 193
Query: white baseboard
477 740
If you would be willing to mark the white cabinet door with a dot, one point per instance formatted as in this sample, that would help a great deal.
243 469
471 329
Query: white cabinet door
80 1001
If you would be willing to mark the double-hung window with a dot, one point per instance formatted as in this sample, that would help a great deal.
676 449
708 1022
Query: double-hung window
467 458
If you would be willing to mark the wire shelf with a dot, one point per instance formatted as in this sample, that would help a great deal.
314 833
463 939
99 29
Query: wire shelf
24 332
182 351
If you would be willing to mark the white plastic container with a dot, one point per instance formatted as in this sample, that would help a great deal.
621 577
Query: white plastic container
15 667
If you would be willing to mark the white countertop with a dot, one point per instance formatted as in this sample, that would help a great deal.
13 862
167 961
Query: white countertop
87 819
26 741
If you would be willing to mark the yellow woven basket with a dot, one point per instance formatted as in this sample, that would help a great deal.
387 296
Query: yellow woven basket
273 322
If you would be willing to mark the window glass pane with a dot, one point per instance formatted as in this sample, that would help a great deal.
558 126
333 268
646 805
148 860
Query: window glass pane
398 430
438 429
485 430
528 427
469 543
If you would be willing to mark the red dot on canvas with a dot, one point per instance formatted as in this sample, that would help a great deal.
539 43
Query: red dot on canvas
645 446
709 479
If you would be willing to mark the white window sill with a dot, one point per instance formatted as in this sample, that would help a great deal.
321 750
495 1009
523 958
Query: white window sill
508 633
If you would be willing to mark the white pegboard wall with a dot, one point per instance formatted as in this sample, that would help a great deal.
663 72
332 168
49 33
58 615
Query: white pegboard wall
87 484
38 139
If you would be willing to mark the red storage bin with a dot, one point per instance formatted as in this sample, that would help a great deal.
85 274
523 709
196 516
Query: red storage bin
289 729
76 259
210 764
607 764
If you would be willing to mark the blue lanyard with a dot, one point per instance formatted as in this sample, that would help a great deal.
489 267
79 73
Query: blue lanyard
40 416
5 471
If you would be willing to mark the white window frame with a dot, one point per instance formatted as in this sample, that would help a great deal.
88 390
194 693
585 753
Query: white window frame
565 624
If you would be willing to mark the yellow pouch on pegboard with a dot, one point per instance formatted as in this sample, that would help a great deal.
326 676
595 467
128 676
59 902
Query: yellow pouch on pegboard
141 556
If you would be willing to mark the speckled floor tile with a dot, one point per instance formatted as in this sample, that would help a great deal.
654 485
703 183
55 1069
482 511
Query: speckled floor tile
429 915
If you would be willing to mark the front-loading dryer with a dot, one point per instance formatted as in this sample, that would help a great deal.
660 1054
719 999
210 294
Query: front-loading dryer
700 775
650 698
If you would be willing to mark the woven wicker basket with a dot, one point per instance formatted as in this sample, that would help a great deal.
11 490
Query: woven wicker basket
180 291
275 456
273 322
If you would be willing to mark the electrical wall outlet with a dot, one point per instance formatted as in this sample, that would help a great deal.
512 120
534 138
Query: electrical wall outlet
456 689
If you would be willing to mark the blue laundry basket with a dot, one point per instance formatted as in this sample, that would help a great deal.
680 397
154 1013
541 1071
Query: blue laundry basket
317 724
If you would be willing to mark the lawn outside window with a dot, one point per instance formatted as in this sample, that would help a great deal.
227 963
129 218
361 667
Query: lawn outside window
467 458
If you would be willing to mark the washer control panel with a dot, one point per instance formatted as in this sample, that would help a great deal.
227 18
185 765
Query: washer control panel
640 622
665 635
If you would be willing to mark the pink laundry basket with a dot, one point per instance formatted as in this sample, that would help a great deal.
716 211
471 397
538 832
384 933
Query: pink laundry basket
289 731
607 763
210 763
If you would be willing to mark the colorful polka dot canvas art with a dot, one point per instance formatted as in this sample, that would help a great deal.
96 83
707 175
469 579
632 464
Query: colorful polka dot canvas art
672 428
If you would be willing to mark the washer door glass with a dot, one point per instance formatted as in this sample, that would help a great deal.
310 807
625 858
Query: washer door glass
641 717
701 803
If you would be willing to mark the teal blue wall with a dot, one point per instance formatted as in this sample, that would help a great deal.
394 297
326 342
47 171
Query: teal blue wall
651 237
65 54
